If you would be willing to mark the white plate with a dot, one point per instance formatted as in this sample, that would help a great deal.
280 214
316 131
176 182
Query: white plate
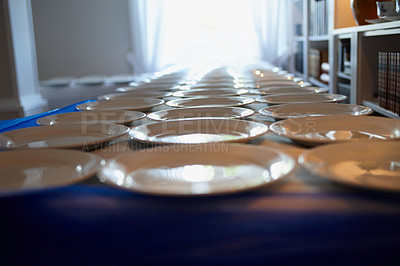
134 104
145 87
301 98
211 102
205 92
392 18
108 116
28 170
134 95
193 131
372 165
294 110
197 170
61 136
290 90
375 21
206 112
341 128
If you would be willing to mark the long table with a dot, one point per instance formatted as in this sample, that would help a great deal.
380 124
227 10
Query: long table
303 220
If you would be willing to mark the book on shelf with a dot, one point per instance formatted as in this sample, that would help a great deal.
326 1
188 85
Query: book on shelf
389 81
318 18
316 58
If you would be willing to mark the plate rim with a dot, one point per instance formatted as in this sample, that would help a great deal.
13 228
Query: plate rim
142 108
188 195
171 103
335 178
246 139
262 110
179 109
308 141
43 121
99 162
261 99
123 128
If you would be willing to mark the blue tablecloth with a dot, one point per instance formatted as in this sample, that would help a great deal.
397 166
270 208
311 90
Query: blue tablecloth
92 224
30 121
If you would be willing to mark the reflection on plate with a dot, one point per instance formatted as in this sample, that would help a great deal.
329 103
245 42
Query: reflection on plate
134 95
82 135
290 90
192 131
210 112
293 110
28 170
328 129
301 98
211 102
107 116
373 165
134 104
197 170
209 92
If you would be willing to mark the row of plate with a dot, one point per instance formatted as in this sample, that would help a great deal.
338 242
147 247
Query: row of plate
311 130
204 169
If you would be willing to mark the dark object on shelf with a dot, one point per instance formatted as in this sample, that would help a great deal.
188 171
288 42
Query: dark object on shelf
344 89
362 10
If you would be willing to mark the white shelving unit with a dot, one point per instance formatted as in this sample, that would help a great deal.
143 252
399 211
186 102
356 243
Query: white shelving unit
366 42
363 43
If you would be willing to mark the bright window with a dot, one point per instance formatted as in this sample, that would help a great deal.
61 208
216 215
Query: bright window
209 31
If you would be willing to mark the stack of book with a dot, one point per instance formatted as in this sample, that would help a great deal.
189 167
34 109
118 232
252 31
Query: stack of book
318 18
389 81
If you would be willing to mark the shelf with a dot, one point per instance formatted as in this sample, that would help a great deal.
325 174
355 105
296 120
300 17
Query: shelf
374 106
343 75
319 38
368 28
318 83
381 32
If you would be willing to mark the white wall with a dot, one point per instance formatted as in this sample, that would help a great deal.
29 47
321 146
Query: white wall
81 37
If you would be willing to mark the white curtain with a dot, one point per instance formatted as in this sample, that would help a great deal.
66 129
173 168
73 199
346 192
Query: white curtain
146 19
272 20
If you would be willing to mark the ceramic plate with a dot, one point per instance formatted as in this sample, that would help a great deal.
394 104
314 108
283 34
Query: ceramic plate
294 110
107 116
197 170
302 98
211 102
392 18
205 112
28 170
372 165
134 104
329 129
61 136
145 88
375 21
193 131
205 92
134 95
290 90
